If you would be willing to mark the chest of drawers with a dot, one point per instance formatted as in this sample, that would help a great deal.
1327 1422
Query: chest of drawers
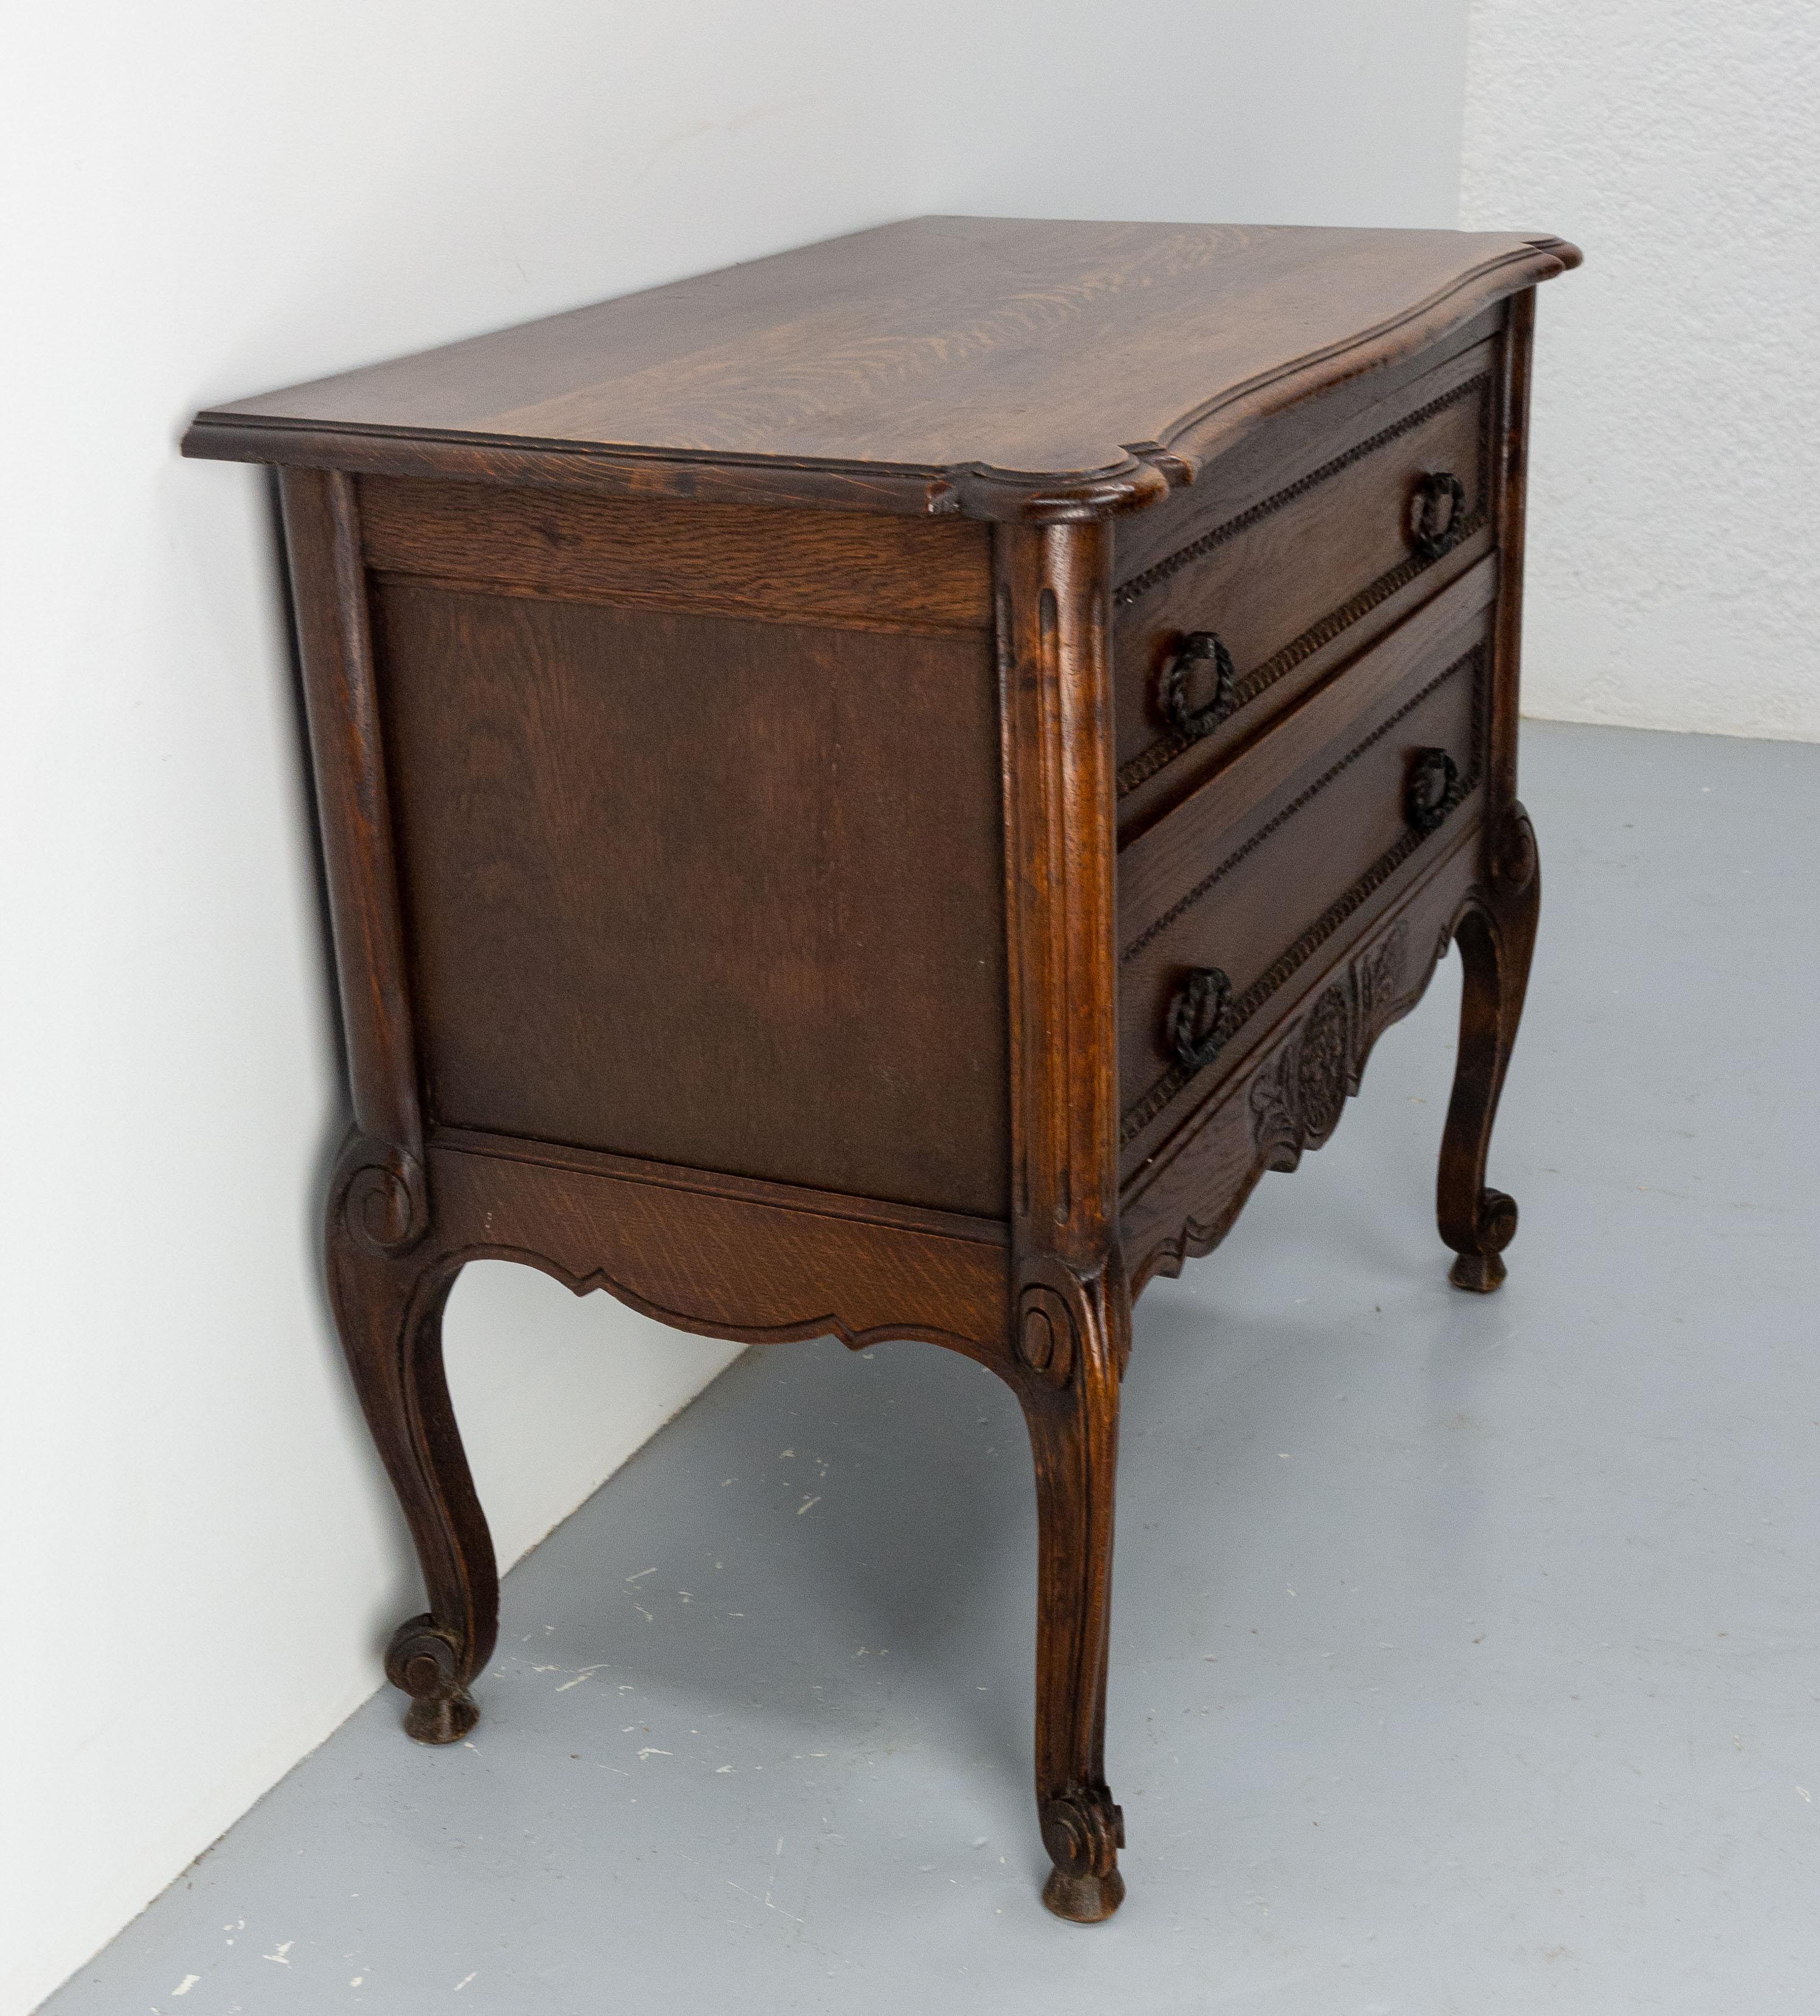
878 791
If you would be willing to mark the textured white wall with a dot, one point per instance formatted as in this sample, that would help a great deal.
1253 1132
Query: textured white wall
205 200
1674 556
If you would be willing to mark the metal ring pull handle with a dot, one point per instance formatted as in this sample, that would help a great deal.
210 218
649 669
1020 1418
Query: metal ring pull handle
1197 648
1434 788
1199 1018
1437 514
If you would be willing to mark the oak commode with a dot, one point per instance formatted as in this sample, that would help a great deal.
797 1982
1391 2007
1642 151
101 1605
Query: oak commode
877 791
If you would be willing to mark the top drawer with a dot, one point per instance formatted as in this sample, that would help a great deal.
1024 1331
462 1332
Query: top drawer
1227 609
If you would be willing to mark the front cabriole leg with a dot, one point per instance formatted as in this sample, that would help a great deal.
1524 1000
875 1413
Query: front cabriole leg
1496 926
1072 1341
1069 1312
1496 933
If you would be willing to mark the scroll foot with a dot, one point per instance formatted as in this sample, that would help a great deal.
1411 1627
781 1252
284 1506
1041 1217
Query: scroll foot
426 1663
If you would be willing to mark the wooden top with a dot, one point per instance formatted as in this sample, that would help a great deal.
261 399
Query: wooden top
1003 367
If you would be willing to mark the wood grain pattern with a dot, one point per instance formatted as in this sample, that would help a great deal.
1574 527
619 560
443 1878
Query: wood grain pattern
723 895
719 1183
1000 367
752 561
1296 437
758 1272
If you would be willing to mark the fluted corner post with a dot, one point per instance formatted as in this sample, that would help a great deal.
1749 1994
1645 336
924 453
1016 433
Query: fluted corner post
387 1277
1069 1308
1496 927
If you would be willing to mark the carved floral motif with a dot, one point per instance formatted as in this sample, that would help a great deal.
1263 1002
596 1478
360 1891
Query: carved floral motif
1297 1098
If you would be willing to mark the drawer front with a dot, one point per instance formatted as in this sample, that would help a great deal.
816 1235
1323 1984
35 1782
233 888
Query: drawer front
1248 604
1223 915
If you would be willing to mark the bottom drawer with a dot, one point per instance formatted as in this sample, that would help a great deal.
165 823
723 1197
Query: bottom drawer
1221 910
1287 1094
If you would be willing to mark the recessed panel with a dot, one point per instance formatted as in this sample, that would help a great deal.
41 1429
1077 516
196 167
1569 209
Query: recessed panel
718 893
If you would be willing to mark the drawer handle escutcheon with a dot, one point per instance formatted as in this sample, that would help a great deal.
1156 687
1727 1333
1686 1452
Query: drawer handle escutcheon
1199 647
1435 787
1199 1024
1437 514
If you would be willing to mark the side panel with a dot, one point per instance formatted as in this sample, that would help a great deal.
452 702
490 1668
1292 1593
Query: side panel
720 893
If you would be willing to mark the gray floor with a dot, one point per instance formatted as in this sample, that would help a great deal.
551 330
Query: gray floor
1465 1651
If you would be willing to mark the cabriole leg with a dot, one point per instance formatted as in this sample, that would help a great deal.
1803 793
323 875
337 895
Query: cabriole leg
388 1307
1496 935
1070 1397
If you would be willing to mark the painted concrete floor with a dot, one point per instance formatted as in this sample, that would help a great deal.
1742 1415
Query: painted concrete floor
1465 1652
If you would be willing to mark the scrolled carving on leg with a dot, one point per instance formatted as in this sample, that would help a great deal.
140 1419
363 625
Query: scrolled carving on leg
1045 1334
1512 854
380 1196
1480 1269
1496 933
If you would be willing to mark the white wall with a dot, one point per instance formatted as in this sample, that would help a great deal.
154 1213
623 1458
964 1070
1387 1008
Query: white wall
1675 488
207 200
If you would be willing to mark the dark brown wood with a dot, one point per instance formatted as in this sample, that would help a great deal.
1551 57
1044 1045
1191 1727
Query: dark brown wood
1210 886
763 893
388 1299
1497 928
941 364
655 1238
836 569
1071 1311
1290 581
1286 1079
721 894
1496 934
